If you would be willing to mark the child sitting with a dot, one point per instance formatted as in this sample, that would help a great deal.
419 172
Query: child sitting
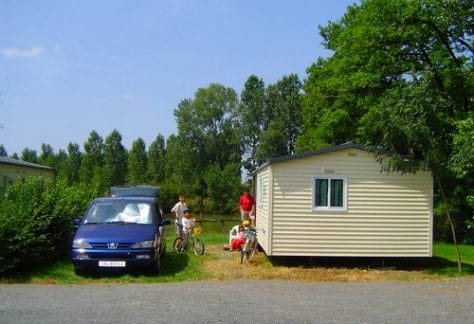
236 243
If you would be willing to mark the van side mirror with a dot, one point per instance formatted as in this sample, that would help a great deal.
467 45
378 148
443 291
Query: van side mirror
165 222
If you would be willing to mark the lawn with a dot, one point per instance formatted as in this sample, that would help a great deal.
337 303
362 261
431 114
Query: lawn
218 264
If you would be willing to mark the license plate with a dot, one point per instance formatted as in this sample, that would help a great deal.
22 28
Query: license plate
113 264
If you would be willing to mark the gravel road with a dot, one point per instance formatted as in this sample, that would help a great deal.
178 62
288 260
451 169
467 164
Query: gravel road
450 301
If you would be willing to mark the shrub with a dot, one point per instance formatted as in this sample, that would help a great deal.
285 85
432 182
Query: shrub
36 222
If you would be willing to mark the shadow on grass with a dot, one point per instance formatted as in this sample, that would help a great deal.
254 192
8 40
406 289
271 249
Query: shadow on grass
63 270
434 265
171 264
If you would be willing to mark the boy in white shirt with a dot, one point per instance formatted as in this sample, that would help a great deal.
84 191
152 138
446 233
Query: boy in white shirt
177 211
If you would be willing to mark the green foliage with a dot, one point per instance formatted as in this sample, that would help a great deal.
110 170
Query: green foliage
47 156
74 162
207 135
137 163
222 188
3 151
35 222
283 104
156 161
272 141
463 159
29 155
92 163
252 117
115 160
400 78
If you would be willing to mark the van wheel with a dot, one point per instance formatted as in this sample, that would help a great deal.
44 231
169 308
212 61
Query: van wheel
157 265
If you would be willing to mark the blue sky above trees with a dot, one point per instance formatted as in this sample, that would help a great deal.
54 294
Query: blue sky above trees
68 67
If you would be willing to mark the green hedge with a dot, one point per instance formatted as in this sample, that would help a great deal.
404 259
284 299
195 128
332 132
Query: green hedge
36 222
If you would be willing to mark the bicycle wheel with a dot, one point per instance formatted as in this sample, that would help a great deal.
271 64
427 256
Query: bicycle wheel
253 249
248 251
198 246
244 253
178 245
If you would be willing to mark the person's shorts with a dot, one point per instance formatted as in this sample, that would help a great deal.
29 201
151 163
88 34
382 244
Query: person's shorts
178 227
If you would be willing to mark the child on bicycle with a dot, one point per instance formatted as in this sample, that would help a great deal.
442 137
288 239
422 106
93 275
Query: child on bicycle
188 224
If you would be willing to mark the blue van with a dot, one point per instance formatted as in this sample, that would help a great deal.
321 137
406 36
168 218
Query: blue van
125 231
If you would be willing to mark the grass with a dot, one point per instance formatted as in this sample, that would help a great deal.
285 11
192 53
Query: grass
218 264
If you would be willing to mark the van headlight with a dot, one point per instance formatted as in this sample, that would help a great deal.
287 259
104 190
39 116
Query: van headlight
143 245
81 244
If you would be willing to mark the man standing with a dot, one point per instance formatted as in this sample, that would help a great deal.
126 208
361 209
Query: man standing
178 211
247 206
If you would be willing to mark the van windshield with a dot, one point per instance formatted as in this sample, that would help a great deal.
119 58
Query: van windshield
122 211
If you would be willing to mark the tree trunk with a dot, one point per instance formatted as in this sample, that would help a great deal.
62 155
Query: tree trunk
451 224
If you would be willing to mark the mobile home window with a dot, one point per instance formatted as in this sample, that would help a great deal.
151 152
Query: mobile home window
330 193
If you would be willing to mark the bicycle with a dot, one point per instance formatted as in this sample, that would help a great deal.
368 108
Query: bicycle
180 244
250 246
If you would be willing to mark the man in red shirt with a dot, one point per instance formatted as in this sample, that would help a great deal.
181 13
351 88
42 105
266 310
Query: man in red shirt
247 206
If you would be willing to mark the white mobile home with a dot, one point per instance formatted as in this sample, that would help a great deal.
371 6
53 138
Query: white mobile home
338 202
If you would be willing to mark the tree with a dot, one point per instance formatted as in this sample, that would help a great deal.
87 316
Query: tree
289 101
463 165
252 113
208 132
3 151
137 163
156 160
29 155
400 78
92 162
61 161
180 175
73 163
282 126
47 156
222 187
115 160
272 141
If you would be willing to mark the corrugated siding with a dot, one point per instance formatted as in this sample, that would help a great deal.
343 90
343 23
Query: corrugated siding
262 208
388 214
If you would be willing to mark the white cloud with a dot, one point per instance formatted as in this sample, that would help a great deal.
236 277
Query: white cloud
15 52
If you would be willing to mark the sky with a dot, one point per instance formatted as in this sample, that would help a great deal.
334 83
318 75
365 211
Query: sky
69 67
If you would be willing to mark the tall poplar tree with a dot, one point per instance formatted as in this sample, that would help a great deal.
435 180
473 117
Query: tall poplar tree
93 160
46 156
282 119
3 151
73 163
115 160
252 113
137 163
156 160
